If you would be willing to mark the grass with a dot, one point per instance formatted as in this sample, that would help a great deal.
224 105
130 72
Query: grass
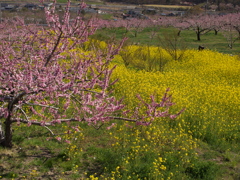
33 156
209 40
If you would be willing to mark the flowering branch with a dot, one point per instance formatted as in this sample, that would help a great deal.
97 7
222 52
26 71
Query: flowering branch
47 79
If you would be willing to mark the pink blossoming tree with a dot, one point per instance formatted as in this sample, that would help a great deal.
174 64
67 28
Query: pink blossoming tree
46 79
200 24
231 28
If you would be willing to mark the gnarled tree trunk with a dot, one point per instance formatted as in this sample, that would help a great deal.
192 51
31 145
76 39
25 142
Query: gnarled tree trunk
7 140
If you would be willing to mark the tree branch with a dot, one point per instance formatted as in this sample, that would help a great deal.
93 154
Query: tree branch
43 124
15 100
32 104
124 119
22 112
54 49
49 130
67 120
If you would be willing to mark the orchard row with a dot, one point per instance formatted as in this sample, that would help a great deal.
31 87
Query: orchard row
228 24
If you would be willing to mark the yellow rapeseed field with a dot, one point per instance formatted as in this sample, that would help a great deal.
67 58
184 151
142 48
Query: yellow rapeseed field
206 83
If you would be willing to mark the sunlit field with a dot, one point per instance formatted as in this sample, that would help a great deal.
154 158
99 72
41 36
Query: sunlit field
206 84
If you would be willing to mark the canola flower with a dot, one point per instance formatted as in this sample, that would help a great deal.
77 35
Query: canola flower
206 83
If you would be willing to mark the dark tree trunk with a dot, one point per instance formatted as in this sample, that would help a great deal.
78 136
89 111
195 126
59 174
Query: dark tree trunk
7 141
179 32
198 32
198 36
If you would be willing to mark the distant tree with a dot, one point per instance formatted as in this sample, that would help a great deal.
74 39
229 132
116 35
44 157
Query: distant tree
200 24
236 22
180 24
216 23
173 44
231 28
237 8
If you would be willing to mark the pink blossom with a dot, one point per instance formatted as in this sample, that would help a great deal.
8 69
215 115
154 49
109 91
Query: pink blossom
110 127
58 138
67 141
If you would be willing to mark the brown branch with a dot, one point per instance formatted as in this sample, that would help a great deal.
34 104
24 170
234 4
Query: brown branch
65 120
54 49
43 124
15 100
124 119
32 104
51 123
6 98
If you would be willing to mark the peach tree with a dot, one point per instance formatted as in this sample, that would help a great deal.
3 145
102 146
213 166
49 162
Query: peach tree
46 79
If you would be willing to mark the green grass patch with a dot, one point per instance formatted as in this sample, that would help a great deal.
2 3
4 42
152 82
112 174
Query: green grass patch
209 40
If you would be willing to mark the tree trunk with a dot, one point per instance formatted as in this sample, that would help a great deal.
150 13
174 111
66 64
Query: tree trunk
179 32
135 34
7 142
1 134
198 36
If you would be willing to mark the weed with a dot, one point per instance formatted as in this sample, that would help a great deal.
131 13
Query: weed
202 170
